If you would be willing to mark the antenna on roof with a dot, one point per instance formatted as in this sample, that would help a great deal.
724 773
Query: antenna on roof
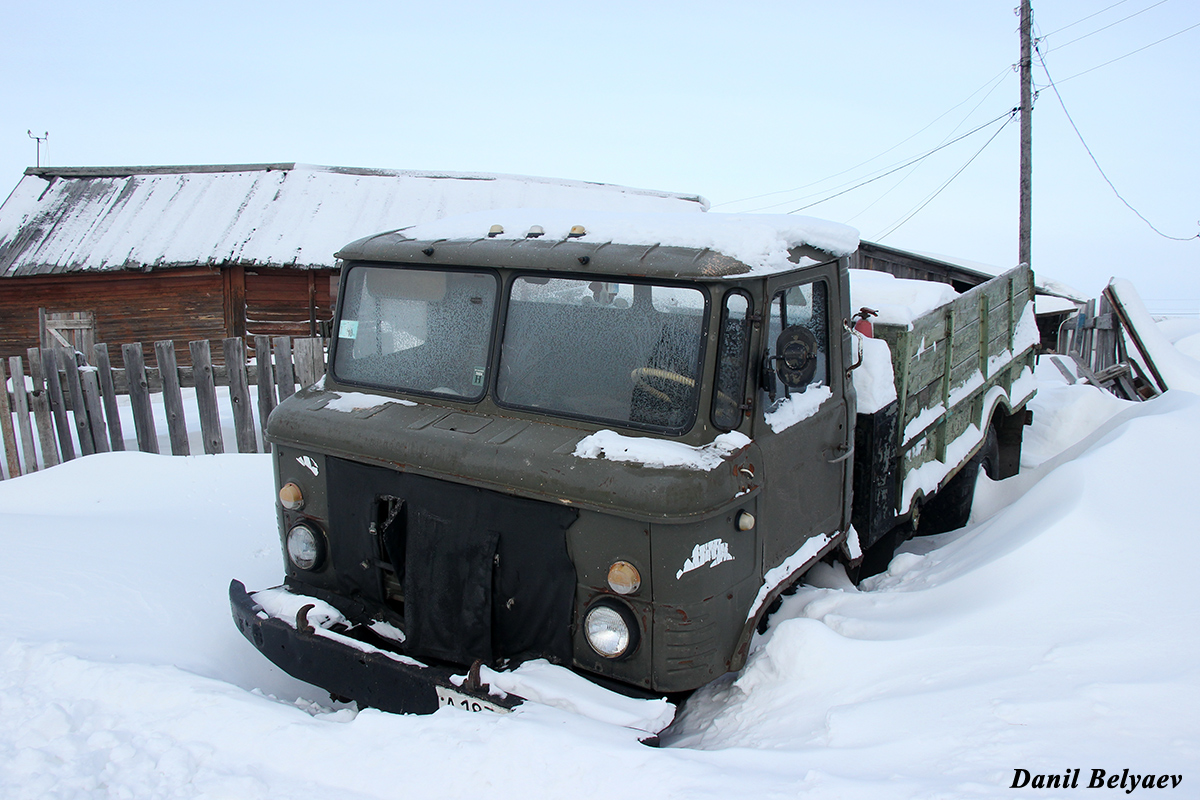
39 140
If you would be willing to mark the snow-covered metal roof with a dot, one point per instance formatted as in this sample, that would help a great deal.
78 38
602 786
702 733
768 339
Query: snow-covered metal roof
264 215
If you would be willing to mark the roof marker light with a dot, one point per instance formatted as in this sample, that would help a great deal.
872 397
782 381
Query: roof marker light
535 231
495 231
577 231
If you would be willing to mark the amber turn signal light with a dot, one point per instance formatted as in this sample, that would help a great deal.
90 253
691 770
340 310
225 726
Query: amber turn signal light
290 497
623 578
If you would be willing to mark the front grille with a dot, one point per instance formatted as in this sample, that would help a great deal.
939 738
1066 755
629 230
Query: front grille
393 589
470 573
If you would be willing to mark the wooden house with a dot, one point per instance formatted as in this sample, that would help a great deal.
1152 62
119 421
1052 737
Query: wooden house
919 266
123 254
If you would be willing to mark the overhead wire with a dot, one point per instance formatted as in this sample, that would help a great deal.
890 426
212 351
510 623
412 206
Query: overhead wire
921 157
1000 75
1085 19
1042 61
897 225
1106 27
1127 55
917 166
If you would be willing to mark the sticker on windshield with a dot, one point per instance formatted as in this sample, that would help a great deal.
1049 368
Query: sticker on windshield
477 378
711 553
348 329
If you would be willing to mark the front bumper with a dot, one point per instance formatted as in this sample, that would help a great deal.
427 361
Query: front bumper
348 668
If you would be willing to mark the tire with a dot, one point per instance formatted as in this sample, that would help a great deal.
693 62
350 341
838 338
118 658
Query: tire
950 508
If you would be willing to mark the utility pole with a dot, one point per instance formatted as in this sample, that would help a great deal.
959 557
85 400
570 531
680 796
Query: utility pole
39 140
1025 220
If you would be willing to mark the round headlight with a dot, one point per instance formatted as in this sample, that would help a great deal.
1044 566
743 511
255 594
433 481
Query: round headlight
607 631
290 497
623 578
304 547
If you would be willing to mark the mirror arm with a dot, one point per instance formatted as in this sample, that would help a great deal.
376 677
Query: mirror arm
767 374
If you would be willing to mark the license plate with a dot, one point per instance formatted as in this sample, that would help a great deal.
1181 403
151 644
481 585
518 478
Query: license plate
450 697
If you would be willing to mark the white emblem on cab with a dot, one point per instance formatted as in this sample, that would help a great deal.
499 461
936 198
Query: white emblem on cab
308 464
711 553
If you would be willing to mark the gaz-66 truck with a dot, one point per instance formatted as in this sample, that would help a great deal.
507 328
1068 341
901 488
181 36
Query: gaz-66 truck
611 442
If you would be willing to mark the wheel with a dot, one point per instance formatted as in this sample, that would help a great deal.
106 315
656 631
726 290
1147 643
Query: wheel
951 507
877 557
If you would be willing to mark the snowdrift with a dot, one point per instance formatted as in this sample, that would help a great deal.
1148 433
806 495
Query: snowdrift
1055 632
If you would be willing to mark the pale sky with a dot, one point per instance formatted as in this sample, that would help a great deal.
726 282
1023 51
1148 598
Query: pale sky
756 106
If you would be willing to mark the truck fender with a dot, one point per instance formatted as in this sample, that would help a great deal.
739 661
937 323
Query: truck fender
779 581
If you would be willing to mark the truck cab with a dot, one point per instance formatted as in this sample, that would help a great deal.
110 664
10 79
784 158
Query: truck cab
605 441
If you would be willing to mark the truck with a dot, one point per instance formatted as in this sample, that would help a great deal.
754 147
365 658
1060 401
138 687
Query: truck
612 442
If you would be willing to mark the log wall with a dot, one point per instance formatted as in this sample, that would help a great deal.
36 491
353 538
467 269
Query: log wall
186 304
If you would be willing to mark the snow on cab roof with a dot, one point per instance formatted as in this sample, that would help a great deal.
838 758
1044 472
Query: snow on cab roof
760 241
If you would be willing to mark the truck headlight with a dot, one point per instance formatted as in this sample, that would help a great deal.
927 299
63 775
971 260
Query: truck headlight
305 548
610 630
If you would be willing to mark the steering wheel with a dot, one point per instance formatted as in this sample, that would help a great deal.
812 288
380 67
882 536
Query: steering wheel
641 376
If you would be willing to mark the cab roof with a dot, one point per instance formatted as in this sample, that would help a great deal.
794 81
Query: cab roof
657 245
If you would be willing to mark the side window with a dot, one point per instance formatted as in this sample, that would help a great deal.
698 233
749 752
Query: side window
798 340
733 351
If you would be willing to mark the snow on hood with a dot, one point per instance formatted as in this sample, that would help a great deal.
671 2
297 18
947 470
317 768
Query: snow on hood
660 453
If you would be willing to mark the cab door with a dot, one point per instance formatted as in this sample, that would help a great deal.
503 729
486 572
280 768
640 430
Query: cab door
802 419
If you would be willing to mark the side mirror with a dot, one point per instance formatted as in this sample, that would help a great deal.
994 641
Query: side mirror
796 356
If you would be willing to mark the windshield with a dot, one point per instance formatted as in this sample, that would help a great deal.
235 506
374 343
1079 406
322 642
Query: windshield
629 353
416 330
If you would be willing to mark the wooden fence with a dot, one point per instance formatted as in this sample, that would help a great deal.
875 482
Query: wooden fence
1096 339
67 388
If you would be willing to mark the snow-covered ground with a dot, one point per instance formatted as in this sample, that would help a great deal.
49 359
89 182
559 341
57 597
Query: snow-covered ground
1058 631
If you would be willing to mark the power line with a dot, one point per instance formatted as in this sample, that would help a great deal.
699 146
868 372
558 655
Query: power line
1009 114
1127 55
994 79
995 86
896 226
1085 19
1042 60
1106 27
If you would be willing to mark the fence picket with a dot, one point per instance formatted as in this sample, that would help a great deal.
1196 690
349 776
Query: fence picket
40 399
239 395
310 361
266 385
20 407
57 406
112 413
206 397
6 428
285 376
164 352
70 366
89 380
139 397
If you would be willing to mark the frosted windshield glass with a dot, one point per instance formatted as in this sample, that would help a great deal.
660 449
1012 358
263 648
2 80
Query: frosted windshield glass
416 330
622 352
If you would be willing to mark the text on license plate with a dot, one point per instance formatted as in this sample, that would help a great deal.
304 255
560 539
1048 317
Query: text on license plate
450 697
